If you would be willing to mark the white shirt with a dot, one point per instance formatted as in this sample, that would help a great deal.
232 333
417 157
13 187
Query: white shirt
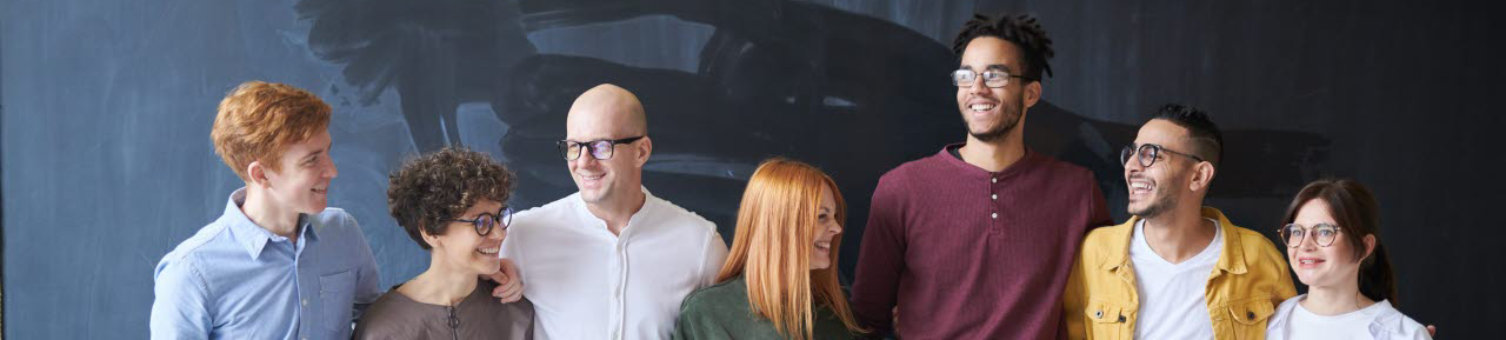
586 283
1378 321
1172 305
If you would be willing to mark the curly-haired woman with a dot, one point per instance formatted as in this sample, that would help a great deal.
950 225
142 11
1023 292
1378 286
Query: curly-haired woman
453 203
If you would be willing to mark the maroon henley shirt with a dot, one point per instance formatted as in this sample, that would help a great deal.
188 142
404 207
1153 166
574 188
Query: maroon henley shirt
970 254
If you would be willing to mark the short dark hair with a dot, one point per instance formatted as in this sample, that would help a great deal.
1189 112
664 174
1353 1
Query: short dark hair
1022 30
1207 141
442 185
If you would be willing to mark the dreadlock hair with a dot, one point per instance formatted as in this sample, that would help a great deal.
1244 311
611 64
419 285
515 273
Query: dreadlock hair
1022 30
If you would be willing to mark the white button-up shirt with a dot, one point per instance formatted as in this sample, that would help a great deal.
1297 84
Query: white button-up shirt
586 283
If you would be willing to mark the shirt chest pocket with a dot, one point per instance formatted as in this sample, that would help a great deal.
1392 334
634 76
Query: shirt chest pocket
1109 320
1249 318
336 292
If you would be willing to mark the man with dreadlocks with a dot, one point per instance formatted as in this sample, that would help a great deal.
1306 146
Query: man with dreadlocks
975 242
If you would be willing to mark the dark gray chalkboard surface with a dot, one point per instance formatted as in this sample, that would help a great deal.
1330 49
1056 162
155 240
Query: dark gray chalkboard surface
107 105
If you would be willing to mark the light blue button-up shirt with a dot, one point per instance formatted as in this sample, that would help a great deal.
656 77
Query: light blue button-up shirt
235 280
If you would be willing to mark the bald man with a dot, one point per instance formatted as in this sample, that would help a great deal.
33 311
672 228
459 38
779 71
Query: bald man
610 261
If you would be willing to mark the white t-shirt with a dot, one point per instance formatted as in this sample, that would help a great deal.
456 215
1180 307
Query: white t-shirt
1172 305
1378 321
586 283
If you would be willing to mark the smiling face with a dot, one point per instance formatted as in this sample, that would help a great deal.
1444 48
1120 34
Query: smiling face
607 113
1319 266
827 230
461 248
1157 188
301 183
992 113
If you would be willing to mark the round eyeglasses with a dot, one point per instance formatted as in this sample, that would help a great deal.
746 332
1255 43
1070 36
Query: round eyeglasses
486 222
1323 234
1147 153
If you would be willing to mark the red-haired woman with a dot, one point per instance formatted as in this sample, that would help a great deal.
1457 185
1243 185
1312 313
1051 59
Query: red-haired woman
780 279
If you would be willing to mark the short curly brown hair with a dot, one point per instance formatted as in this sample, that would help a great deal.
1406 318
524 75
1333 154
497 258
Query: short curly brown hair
440 186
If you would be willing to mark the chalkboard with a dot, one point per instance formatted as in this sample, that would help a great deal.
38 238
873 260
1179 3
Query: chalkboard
105 109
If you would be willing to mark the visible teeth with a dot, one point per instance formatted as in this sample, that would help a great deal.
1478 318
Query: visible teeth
1308 261
488 250
982 107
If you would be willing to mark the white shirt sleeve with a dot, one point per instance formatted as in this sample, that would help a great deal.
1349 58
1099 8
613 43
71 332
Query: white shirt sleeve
715 256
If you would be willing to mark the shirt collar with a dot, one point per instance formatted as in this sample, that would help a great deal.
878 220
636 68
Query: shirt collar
1025 162
252 237
597 223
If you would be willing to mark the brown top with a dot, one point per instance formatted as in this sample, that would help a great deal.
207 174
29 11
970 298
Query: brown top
479 316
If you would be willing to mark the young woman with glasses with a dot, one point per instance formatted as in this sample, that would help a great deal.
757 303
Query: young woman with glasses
1332 234
453 203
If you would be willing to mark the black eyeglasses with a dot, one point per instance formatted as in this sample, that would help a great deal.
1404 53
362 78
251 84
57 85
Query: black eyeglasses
485 222
994 78
599 149
1323 234
1148 153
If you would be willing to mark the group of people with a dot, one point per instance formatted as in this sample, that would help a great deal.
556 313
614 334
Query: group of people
986 239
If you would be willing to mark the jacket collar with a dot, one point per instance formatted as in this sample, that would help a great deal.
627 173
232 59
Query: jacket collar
1231 259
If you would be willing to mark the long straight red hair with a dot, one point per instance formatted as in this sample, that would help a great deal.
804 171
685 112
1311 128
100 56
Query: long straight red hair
776 228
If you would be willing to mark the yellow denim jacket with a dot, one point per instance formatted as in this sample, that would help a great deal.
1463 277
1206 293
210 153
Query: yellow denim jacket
1248 282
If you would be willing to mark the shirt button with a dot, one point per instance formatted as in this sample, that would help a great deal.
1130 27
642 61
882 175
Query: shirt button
305 302
994 196
995 179
994 215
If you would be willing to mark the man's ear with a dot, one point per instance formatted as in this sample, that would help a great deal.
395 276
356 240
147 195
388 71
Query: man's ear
1032 93
645 147
256 174
1202 176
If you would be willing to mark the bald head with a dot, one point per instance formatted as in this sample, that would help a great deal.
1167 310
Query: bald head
610 106
611 185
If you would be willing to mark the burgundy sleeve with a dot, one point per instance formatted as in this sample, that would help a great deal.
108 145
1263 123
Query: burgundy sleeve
881 261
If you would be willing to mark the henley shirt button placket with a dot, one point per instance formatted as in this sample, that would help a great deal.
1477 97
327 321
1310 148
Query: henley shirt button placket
995 197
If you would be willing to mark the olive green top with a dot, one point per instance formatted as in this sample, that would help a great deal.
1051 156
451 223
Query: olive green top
721 311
